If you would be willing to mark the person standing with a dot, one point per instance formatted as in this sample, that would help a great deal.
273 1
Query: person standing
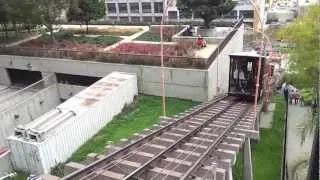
242 81
286 92
296 97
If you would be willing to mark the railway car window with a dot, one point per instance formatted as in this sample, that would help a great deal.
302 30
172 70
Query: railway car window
249 66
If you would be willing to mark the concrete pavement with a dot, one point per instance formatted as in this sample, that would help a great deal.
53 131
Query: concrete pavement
294 150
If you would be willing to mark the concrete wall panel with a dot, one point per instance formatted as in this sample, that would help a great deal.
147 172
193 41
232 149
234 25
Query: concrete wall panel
4 77
181 80
26 111
66 91
186 92
222 63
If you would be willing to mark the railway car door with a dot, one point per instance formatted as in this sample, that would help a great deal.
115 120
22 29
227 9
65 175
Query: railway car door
241 75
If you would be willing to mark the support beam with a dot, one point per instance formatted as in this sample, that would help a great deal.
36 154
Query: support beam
4 77
49 78
247 166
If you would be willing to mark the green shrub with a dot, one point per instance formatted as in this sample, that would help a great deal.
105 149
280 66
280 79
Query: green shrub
308 95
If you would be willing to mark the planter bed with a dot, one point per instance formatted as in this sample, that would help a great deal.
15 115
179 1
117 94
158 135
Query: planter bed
154 49
113 31
154 33
66 41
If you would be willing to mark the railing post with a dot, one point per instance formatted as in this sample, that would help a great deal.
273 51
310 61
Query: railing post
247 163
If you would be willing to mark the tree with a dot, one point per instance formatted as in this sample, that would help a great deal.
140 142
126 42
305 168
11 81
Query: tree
4 16
74 12
22 13
208 9
86 10
49 12
304 34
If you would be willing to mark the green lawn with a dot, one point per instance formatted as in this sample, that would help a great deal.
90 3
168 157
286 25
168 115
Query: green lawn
20 176
150 36
144 113
267 152
66 36
154 34
107 32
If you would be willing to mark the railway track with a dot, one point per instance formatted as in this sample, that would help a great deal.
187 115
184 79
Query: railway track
200 144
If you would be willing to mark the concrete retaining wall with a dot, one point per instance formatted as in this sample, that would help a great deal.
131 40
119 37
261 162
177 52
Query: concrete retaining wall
4 77
180 83
218 72
193 84
66 91
26 111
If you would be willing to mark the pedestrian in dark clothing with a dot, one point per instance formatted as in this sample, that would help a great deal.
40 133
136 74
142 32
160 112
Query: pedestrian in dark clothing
286 92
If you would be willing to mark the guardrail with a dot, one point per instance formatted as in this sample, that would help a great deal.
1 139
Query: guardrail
224 42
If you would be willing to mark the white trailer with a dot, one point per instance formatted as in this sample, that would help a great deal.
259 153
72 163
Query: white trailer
52 138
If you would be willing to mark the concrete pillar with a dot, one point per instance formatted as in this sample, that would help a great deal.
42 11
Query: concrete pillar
4 77
247 163
117 11
238 14
48 78
129 12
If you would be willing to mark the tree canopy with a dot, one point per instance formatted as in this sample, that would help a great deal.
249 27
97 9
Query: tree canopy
31 13
4 15
208 9
304 35
86 10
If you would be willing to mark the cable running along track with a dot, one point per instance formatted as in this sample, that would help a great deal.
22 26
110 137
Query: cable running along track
199 144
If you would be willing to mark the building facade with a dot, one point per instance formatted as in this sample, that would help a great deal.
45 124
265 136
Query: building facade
140 10
152 10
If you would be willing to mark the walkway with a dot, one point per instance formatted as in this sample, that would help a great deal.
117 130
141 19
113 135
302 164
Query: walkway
22 41
296 151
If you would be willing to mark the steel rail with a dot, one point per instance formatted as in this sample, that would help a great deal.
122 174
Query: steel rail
181 140
126 156
109 158
199 162
188 157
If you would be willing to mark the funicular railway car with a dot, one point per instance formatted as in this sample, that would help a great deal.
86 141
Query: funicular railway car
243 75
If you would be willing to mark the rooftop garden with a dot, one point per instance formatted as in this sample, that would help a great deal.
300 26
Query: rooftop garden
154 33
67 41
180 49
112 31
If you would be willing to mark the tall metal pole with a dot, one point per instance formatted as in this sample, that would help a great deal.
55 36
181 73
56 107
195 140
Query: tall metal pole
162 69
260 59
163 93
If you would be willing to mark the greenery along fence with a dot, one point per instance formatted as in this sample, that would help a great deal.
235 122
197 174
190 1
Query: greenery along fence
123 58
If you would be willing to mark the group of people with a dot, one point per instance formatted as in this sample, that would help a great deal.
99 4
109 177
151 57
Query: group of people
292 94
200 42
239 77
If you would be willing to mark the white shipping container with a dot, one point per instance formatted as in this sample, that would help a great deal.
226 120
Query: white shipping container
51 139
